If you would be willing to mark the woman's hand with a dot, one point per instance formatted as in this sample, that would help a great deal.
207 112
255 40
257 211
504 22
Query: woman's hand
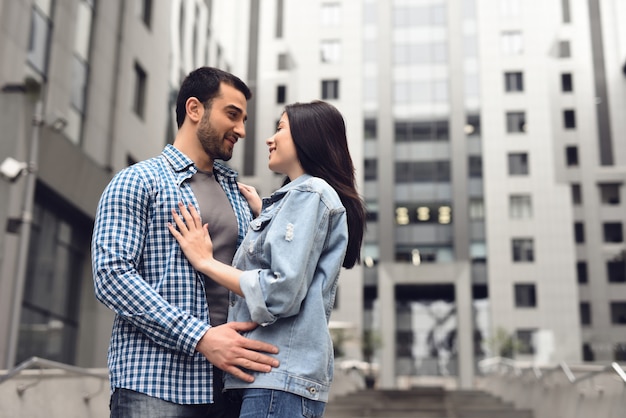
193 237
195 241
253 198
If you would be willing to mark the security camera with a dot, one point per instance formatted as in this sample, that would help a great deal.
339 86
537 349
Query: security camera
12 169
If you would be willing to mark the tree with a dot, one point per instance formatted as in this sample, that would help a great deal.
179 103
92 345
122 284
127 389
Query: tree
503 344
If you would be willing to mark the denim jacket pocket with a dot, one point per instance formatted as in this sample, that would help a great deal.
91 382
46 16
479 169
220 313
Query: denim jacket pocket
259 224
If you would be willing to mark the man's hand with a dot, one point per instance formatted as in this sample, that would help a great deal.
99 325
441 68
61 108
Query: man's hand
228 350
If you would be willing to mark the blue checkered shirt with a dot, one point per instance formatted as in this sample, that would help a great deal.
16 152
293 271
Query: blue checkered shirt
141 274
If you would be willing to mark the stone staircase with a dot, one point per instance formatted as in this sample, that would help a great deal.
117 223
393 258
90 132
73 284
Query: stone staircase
423 402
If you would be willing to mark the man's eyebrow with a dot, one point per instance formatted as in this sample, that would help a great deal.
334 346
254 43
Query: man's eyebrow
236 109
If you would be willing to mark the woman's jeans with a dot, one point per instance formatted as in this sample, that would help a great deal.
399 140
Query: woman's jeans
267 403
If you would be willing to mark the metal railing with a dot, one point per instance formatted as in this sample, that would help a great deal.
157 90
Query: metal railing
41 364
560 390
519 368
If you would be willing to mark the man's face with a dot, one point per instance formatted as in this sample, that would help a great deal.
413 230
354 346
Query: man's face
223 123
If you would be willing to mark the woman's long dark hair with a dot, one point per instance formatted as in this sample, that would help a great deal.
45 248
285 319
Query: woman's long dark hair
319 134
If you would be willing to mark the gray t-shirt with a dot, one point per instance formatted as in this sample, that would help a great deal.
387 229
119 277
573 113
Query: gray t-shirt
215 209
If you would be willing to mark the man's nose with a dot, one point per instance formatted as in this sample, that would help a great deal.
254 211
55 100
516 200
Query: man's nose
240 130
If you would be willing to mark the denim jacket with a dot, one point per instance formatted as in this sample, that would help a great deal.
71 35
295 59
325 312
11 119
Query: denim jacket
291 258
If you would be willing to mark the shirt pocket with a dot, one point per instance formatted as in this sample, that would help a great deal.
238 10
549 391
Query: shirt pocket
253 243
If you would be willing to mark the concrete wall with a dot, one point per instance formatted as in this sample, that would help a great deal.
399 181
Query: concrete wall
55 394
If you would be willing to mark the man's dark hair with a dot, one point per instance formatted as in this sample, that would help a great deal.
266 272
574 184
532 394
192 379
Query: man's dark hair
204 84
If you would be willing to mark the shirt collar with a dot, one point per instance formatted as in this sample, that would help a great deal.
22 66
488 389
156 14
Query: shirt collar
180 162
278 194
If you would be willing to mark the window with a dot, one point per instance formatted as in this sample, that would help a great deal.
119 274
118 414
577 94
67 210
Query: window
330 89
371 216
80 71
525 341
618 313
577 197
432 130
422 171
588 354
283 61
525 295
39 39
419 15
431 212
370 129
581 272
511 42
564 49
281 94
476 209
330 51
585 313
612 232
571 156
513 82
79 84
569 119
370 167
579 232
146 12
475 164
478 252
280 9
515 122
567 82
139 100
616 271
609 193
472 126
50 319
523 249
566 11
330 14
518 164
520 207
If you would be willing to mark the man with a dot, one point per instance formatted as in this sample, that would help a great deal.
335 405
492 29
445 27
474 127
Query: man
169 326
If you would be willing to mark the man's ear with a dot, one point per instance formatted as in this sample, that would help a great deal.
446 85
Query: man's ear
195 109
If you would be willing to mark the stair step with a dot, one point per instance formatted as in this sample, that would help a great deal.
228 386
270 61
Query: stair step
425 402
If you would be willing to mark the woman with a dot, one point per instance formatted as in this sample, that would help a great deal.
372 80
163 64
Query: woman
284 275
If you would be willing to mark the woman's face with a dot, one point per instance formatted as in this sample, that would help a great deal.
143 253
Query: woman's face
283 158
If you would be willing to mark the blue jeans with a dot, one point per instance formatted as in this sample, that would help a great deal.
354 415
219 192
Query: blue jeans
127 403
268 403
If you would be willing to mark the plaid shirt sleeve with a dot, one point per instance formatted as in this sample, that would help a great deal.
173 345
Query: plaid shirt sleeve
120 234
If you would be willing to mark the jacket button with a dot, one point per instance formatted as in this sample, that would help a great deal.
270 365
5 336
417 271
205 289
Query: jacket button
312 390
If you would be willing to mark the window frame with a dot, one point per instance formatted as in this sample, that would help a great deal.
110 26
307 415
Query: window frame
513 81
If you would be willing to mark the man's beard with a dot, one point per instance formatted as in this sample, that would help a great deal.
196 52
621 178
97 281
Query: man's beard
212 143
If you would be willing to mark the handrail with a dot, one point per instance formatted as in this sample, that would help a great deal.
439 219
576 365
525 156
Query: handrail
49 364
564 367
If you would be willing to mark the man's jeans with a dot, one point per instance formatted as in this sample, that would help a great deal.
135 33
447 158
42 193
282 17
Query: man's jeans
130 404
267 403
